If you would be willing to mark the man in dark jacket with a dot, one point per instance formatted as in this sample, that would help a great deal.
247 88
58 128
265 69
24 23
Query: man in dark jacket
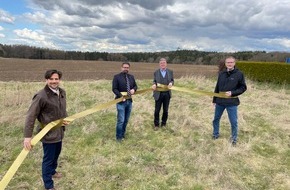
163 75
49 104
123 82
232 82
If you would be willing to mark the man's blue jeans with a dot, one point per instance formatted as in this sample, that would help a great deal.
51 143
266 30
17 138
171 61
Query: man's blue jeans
51 153
233 117
123 115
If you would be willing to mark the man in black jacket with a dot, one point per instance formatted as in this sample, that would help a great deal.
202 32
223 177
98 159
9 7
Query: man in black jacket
232 82
123 82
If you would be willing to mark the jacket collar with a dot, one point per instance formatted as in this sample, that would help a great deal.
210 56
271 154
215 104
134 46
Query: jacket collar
49 91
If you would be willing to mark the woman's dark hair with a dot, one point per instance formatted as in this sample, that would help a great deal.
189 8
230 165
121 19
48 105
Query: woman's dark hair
49 73
222 65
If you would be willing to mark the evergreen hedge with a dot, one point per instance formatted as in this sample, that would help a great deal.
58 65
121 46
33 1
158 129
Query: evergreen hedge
266 71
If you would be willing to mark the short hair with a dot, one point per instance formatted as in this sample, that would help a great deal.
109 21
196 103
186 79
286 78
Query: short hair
231 57
162 59
126 63
49 73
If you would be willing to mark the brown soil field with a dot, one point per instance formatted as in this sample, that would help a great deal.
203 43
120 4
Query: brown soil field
27 70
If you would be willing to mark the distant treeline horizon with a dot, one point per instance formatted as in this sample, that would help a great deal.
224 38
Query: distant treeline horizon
179 56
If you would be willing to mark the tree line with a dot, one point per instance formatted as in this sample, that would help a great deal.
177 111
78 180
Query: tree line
176 57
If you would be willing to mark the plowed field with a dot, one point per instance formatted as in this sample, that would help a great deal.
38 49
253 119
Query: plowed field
33 70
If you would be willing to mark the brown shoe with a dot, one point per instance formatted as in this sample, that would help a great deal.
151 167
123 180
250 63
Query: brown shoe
57 175
156 128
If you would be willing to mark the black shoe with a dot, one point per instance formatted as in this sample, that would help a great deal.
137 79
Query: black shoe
234 143
215 137
163 125
119 140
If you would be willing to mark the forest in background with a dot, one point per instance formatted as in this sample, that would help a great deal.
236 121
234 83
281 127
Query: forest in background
179 56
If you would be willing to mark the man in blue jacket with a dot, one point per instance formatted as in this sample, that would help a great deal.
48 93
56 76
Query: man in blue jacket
232 82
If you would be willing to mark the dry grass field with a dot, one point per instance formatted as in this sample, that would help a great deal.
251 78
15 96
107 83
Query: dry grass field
32 70
181 156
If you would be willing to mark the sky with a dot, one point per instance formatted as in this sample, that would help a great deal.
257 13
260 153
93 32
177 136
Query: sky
147 25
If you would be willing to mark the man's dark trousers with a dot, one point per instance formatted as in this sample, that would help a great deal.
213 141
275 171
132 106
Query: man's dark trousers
164 100
51 153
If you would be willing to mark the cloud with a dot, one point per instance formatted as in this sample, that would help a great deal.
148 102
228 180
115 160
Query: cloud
29 34
156 25
152 4
5 17
34 38
282 42
148 4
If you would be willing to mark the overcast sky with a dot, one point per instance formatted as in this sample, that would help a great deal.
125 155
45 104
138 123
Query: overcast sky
147 25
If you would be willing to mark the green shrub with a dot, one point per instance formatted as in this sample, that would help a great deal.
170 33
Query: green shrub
265 71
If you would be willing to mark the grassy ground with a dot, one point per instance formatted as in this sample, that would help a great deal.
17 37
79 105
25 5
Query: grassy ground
180 156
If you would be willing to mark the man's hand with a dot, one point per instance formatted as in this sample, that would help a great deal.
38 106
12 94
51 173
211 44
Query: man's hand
65 123
132 91
170 85
228 93
154 86
27 143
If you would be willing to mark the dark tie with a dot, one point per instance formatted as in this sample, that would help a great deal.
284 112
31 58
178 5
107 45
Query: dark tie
128 86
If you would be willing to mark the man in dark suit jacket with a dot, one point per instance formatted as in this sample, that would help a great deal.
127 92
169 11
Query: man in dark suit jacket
162 76
123 82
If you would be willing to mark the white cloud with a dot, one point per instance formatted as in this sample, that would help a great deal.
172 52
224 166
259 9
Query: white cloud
29 34
155 25
5 17
34 38
283 42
